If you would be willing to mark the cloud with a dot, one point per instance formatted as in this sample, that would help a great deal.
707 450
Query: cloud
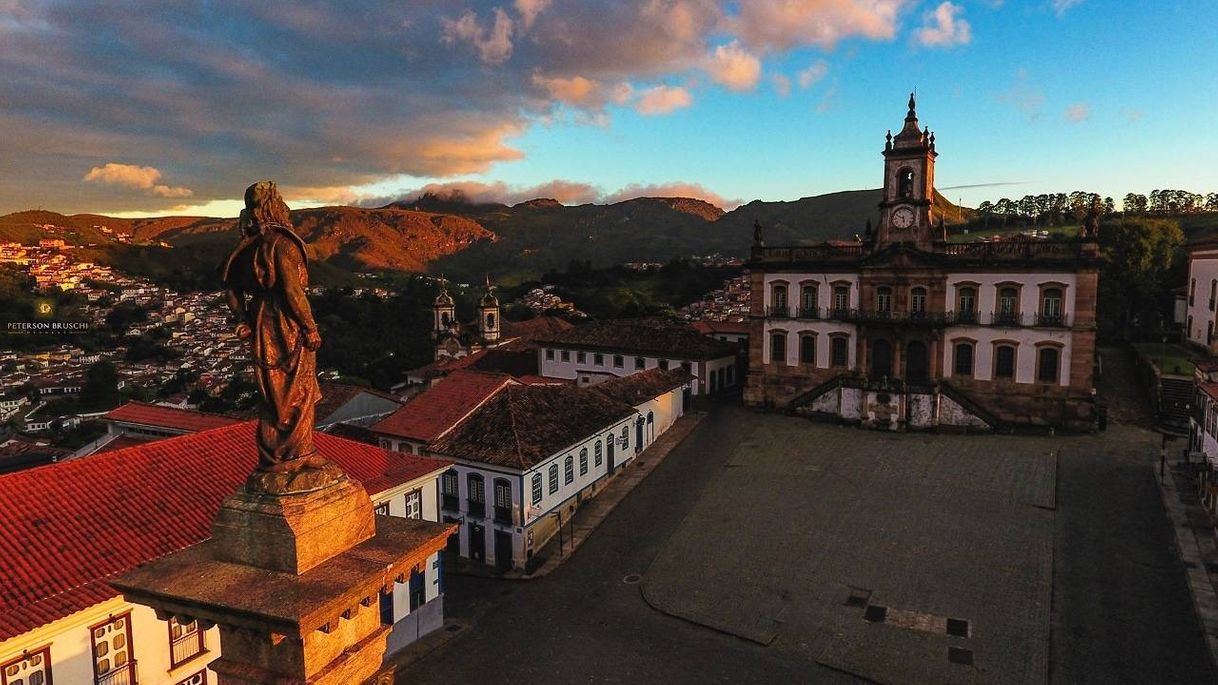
813 73
662 100
1023 96
584 93
674 189
1078 112
785 24
138 177
1060 6
782 84
529 9
734 67
493 43
944 28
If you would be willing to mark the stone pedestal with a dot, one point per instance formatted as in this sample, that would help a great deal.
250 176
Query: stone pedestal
293 582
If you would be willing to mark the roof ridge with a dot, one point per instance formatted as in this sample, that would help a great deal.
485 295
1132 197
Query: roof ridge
515 432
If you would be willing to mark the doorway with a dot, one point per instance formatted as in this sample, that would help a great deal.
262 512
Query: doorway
881 359
916 363
503 550
477 543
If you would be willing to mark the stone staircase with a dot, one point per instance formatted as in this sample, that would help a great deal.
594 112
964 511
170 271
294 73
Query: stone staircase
1174 403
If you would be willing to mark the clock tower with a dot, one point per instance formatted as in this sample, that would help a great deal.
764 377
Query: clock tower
909 185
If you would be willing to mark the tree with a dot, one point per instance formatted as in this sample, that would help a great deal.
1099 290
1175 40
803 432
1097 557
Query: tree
1140 260
986 208
1134 204
101 386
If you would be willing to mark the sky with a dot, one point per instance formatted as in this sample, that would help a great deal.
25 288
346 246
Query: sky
152 107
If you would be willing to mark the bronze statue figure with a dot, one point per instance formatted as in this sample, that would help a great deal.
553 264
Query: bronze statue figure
265 278
757 233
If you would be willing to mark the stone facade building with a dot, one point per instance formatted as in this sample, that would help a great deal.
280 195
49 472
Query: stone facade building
905 329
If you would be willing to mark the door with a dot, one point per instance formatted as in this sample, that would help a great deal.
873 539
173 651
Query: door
686 399
881 359
638 435
503 550
916 362
477 543
609 445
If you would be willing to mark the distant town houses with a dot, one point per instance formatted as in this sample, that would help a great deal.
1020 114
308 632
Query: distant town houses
728 303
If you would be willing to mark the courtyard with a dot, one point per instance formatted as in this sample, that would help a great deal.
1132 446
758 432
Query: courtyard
769 548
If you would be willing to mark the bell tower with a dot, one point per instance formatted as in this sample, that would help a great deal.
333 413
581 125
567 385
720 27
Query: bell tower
909 185
444 312
488 313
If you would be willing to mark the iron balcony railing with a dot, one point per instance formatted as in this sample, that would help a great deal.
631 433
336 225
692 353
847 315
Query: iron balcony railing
186 646
476 508
123 675
778 311
503 514
450 502
972 318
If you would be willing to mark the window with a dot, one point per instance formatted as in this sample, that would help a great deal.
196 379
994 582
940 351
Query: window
31 668
550 355
883 299
778 347
381 509
1213 293
112 663
448 490
964 359
778 300
1008 305
199 678
841 297
905 182
1004 361
503 501
917 301
1048 358
966 305
580 357
625 437
618 361
807 349
490 321
185 642
687 366
1192 291
663 364
639 362
566 355
1051 306
807 301
414 504
417 590
553 478
598 359
476 496
839 351
568 470
536 488
597 457
583 460
1209 332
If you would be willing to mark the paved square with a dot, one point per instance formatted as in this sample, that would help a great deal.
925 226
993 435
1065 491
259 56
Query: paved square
944 542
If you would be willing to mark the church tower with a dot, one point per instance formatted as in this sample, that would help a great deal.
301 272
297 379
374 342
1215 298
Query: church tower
909 185
444 312
488 314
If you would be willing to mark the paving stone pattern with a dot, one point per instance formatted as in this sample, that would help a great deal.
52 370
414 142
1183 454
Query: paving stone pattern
934 527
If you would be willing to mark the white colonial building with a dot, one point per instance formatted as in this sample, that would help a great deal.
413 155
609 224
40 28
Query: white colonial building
525 456
70 526
1201 305
600 350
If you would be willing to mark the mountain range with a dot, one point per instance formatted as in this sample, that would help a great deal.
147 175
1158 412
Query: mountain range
464 240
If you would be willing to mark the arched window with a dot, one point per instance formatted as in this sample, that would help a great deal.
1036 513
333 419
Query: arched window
778 300
916 362
966 305
905 182
490 320
553 478
778 347
1051 307
963 365
445 318
839 350
598 455
1047 363
881 359
536 488
625 437
568 470
883 299
917 302
583 459
1008 305
841 298
807 349
476 495
807 301
1004 361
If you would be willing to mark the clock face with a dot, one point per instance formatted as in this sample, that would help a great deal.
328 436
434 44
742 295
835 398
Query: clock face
902 217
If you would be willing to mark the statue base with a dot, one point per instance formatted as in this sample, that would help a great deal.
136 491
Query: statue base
292 533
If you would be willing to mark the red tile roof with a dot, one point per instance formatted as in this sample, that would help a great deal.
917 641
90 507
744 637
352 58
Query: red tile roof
708 327
185 420
532 328
1210 389
436 410
121 442
69 526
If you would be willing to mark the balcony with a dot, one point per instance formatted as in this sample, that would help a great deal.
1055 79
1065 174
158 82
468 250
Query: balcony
778 312
185 647
450 502
122 675
476 508
1058 320
925 318
809 313
503 515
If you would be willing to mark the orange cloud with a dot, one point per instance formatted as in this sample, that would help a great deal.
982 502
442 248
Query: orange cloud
734 67
584 93
662 100
139 177
944 28
784 24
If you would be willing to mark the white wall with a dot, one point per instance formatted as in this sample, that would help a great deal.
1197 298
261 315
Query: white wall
1025 350
822 328
1202 270
572 368
1029 294
824 288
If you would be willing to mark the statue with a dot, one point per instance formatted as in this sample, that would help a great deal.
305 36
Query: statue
1091 223
757 233
265 278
